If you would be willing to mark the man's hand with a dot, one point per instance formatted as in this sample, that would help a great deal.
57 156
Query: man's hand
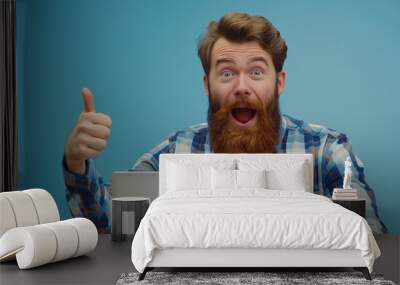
89 137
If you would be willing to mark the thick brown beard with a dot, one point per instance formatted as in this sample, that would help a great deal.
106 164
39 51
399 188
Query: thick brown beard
261 138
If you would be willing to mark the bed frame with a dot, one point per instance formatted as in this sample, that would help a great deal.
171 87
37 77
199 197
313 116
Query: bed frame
236 259
249 259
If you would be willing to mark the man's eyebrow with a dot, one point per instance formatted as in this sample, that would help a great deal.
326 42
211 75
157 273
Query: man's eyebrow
224 60
258 58
251 60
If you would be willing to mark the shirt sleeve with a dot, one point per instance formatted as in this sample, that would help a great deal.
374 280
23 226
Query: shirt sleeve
337 150
149 161
88 196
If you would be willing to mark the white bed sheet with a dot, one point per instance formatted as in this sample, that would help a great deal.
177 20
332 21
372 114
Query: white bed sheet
250 218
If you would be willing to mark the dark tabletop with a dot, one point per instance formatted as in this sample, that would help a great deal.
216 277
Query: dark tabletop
110 259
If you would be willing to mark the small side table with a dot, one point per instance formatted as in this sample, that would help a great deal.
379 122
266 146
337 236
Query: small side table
127 212
357 206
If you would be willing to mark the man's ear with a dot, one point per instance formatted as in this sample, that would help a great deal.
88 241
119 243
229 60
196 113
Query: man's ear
205 83
281 82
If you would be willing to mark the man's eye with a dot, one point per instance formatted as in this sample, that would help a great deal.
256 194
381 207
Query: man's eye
257 72
227 73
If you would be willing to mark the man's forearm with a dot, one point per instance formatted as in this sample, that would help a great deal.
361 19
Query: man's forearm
88 196
93 206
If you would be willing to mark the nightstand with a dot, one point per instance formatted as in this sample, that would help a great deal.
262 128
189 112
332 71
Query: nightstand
357 205
127 212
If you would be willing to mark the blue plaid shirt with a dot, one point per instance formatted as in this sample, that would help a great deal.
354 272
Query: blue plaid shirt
88 196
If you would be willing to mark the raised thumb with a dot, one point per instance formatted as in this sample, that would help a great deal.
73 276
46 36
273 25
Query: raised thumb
88 100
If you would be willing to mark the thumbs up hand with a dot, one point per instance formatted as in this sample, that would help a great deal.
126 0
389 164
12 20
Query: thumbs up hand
89 136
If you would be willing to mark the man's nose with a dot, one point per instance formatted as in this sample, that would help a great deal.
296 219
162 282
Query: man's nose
242 87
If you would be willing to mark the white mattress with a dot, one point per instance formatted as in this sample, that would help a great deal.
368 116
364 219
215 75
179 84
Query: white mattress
250 218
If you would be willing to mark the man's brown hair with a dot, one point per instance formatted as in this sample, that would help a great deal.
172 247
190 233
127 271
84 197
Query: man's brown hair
240 28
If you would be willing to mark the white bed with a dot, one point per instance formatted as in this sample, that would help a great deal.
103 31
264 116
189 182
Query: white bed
212 224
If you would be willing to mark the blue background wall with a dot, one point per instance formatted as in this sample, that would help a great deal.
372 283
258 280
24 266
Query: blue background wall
139 59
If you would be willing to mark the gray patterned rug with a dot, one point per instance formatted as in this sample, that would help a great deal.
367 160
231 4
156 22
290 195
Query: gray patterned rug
230 278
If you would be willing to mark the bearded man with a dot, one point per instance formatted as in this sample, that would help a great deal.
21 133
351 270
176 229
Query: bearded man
242 57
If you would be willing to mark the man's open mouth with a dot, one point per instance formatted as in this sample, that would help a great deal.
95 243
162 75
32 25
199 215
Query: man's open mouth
243 115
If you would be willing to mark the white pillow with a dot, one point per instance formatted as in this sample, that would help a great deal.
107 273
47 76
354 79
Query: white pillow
236 179
182 177
223 179
251 178
191 174
293 178
281 174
